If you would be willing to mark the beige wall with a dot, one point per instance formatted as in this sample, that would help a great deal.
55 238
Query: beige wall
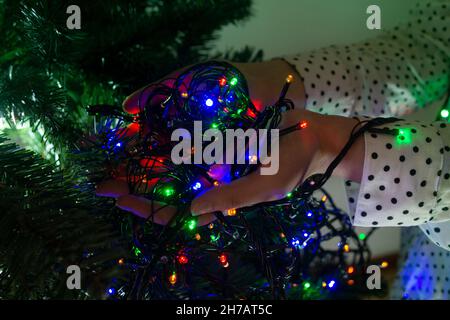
290 26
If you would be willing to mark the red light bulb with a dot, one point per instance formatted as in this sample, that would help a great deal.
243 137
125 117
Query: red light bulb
303 124
223 259
182 259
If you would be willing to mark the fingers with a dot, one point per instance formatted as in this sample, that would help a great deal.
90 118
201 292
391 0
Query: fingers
131 103
296 151
112 188
158 212
135 102
138 98
206 219
246 191
144 208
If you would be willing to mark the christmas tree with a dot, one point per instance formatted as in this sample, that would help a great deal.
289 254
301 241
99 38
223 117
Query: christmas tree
54 149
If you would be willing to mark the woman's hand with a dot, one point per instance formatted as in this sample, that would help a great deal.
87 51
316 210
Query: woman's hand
302 153
265 81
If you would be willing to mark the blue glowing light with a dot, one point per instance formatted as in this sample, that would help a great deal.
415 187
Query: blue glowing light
111 290
295 242
305 234
197 185
309 214
230 98
331 284
209 102
118 144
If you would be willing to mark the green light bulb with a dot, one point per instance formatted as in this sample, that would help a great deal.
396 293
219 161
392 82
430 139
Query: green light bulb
445 113
214 125
233 81
306 285
362 236
404 136
168 191
191 224
214 238
137 252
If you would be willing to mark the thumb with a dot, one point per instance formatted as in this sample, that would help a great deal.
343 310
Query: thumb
135 101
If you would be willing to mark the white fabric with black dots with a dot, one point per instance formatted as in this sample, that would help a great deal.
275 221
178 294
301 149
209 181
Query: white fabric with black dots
406 178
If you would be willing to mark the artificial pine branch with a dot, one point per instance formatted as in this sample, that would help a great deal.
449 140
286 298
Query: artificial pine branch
48 223
49 216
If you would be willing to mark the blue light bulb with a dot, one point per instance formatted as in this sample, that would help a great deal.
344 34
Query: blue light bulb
111 290
197 185
331 284
209 102
230 98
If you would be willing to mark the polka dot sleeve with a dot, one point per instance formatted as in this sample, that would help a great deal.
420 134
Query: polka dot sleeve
437 231
405 178
394 74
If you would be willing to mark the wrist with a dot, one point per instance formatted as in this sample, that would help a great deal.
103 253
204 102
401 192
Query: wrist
334 132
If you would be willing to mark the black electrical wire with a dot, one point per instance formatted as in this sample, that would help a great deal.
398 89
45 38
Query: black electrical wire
175 103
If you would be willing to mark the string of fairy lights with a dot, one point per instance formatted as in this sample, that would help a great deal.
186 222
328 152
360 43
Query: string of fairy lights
273 250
